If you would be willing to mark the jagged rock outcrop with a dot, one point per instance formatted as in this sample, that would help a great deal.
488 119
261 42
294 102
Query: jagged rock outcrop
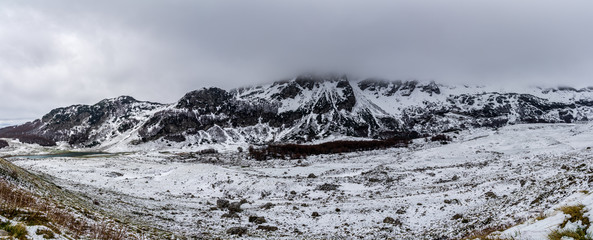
306 108
84 125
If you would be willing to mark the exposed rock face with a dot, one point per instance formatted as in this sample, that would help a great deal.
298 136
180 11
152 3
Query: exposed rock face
85 125
303 109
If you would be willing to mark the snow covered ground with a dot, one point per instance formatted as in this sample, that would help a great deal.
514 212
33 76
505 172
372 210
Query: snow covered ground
483 179
550 220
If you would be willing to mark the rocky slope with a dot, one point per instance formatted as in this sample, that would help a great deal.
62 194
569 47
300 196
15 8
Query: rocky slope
483 180
306 108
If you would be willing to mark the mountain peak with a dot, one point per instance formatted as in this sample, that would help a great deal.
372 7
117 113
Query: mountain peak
306 108
203 98
121 99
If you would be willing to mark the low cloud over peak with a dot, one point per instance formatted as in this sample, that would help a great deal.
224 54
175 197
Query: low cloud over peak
56 53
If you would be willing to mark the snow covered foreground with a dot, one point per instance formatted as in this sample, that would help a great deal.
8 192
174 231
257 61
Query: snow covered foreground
483 179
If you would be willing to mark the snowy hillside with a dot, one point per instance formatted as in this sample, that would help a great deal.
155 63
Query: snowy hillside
304 109
484 179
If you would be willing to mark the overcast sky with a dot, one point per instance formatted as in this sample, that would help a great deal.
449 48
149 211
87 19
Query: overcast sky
57 53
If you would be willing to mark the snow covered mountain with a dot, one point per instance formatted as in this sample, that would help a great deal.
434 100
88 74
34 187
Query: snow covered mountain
304 109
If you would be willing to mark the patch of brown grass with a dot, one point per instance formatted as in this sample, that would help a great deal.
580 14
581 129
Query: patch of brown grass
18 231
46 233
485 233
577 234
34 210
541 216
576 214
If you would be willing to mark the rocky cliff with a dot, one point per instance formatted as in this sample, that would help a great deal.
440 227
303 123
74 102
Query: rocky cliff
305 109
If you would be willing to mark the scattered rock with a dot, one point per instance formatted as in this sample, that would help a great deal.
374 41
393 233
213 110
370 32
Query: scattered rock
222 204
490 195
257 220
204 151
237 231
338 210
457 216
4 233
46 233
115 174
390 220
293 192
267 206
3 144
328 187
267 228
230 215
452 201
235 207
315 214
260 220
311 175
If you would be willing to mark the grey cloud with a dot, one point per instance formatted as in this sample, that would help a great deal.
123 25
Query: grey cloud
55 53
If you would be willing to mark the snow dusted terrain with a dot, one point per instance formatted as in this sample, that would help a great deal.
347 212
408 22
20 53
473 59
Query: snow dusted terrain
485 178
517 157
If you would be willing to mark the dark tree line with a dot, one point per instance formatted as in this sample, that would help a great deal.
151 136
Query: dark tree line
297 151
33 139
440 138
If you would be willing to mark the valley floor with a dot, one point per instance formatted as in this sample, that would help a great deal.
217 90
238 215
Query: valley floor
483 179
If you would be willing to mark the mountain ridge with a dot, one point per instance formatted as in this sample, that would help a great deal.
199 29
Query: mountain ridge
303 109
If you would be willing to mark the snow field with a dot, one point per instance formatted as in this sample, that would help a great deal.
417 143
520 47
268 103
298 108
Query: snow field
484 178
